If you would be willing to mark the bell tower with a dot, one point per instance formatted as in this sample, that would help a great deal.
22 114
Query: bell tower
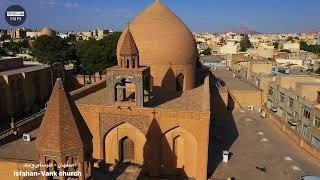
128 84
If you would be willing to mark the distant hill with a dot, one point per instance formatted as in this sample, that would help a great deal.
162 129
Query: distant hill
242 30
313 31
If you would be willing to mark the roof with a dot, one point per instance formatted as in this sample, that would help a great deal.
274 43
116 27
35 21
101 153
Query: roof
59 130
128 46
213 58
24 70
13 150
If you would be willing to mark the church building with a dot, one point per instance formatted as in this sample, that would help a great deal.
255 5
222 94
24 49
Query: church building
149 112
148 119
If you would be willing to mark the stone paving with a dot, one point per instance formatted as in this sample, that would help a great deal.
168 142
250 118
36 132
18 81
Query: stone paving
261 151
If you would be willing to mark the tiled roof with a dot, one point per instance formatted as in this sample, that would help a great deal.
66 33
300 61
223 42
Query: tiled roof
60 129
128 46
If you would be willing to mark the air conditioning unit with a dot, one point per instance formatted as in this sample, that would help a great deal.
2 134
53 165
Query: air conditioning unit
26 137
250 108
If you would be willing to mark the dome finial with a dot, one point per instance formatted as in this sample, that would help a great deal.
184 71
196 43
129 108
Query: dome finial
157 1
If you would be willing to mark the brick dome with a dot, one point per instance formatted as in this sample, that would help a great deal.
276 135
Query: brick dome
46 31
164 43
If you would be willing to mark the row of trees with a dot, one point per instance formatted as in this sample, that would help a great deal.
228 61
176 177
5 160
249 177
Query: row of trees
92 55
310 48
16 47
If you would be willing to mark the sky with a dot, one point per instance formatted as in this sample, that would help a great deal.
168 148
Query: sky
266 16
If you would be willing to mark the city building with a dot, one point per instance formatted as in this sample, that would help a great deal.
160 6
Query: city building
264 51
293 98
229 48
213 61
24 87
292 46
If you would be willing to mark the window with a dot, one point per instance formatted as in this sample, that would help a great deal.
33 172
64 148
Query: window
305 130
306 112
271 91
317 122
290 102
281 97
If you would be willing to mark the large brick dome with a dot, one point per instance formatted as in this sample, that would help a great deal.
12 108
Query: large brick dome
165 43
46 31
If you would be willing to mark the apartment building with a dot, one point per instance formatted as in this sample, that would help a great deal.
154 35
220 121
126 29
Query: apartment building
294 99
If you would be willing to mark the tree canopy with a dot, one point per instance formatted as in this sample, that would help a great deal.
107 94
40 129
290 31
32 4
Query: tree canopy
310 48
96 56
206 52
51 49
16 47
245 43
276 45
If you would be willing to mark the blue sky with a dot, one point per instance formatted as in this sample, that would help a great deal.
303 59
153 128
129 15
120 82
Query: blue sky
199 15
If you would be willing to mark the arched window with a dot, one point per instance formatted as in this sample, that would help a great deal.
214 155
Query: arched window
179 82
126 149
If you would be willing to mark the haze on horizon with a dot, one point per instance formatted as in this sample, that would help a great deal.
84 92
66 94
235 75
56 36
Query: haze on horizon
268 16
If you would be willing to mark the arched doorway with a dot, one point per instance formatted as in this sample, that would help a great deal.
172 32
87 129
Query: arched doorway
116 137
178 152
52 168
126 150
179 82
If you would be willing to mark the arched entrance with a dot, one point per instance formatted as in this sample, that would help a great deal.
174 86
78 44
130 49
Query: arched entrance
124 143
126 150
179 82
178 152
52 168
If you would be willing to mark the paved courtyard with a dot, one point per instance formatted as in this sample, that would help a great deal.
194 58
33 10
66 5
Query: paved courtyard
260 145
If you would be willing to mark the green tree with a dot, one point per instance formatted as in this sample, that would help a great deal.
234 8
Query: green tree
245 43
50 49
317 71
310 48
206 52
2 52
276 45
290 38
16 47
12 46
96 56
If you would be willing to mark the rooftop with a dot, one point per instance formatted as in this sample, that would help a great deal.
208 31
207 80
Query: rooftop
20 150
187 101
25 69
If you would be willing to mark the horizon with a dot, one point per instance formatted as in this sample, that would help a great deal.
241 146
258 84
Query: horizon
81 15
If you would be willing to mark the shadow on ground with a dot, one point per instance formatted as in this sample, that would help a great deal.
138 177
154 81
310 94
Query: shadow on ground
223 130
